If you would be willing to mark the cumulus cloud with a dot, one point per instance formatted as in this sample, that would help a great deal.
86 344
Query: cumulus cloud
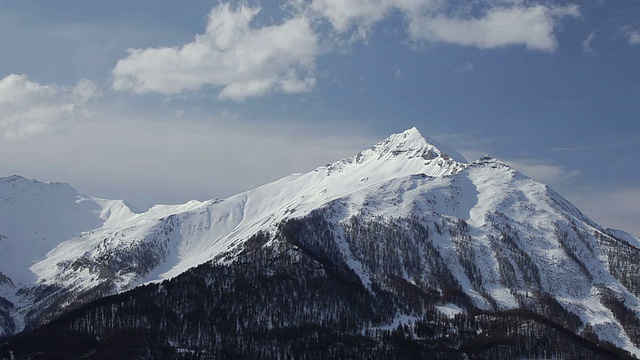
28 108
240 59
634 37
507 23
232 55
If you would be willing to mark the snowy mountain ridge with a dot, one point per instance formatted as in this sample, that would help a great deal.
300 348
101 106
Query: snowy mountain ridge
495 233
211 227
36 217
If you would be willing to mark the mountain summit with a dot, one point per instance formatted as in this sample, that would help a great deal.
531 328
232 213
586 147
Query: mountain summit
411 152
413 143
405 240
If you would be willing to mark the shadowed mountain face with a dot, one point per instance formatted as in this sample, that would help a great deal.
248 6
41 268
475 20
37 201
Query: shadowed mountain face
405 249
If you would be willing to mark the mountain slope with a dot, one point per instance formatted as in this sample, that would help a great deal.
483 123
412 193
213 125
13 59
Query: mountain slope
36 217
412 230
168 240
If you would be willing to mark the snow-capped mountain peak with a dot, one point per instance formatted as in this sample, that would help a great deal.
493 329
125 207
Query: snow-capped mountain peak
402 154
411 143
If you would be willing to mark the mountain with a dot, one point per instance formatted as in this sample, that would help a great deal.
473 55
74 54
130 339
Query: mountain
35 217
404 249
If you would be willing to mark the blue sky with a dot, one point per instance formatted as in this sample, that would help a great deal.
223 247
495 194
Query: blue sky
165 101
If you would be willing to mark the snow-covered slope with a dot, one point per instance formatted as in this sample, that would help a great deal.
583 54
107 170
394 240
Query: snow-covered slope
35 217
202 230
503 238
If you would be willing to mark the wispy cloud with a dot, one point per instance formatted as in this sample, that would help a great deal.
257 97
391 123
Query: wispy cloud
544 171
613 207
28 108
504 24
532 27
600 146
361 15
240 60
633 37
587 44
464 68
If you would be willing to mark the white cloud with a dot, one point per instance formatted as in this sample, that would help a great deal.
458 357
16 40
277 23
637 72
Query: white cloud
502 24
634 37
343 14
464 68
28 108
532 27
84 90
544 172
232 55
587 44
362 14
241 60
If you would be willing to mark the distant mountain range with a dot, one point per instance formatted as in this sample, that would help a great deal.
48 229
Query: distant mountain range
406 250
